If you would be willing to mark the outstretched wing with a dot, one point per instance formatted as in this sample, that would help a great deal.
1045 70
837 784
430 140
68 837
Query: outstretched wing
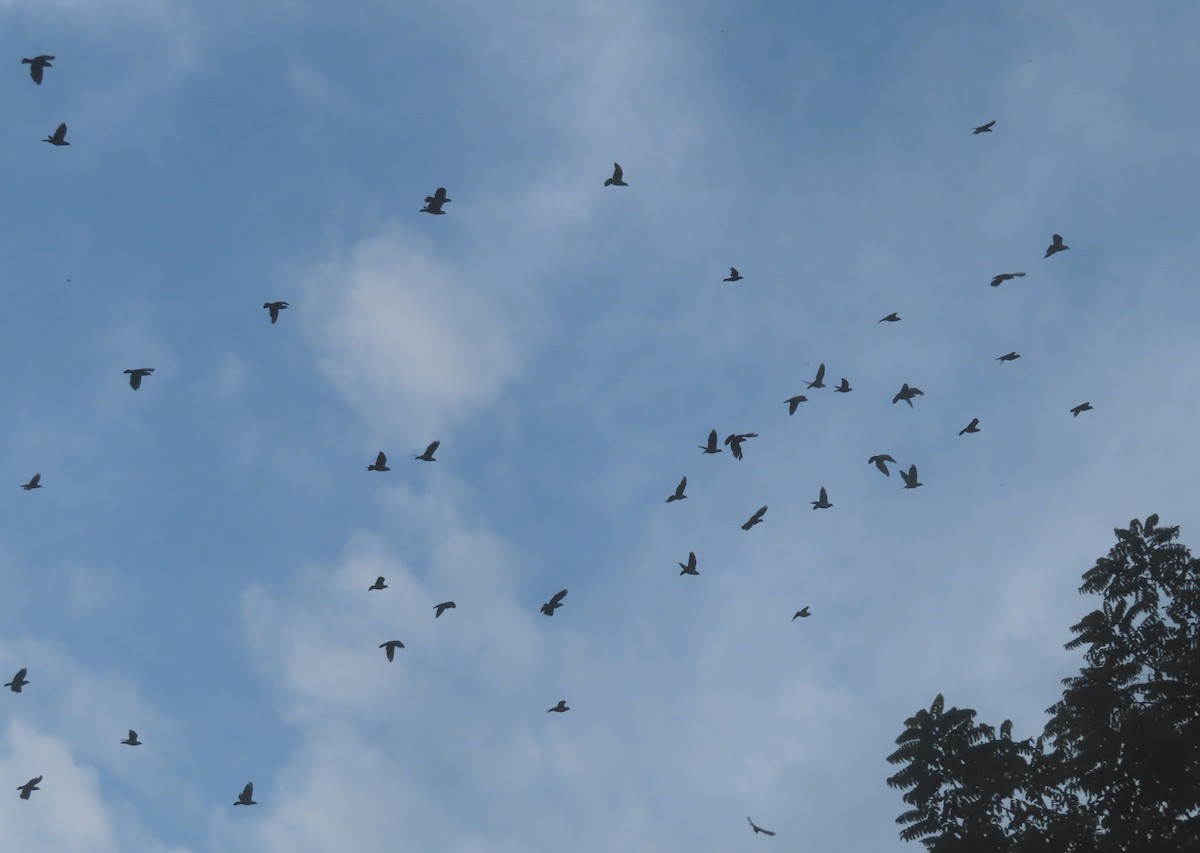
618 174
558 597
432 448
381 460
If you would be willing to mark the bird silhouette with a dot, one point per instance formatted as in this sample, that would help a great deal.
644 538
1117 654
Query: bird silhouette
1008 356
136 376
844 386
554 603
794 402
427 456
910 478
618 177
734 275
802 613
1057 246
879 462
433 203
275 308
379 584
34 483
18 681
819 379
59 137
690 567
1005 276
390 648
246 798
984 128
973 426
906 394
711 447
380 463
755 519
734 442
29 787
679 495
132 740
36 65
822 501
1082 407
442 608
890 318
757 829
559 708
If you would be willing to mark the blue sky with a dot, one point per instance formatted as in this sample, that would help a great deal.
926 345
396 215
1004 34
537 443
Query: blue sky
196 564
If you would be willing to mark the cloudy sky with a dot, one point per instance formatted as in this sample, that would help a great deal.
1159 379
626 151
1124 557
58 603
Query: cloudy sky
196 564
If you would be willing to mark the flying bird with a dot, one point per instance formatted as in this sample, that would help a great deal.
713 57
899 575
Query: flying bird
679 495
442 608
34 483
136 376
275 308
844 386
910 478
802 613
132 740
690 568
36 65
973 426
1082 407
380 463
822 502
1010 356
29 787
18 681
879 462
711 447
390 647
427 456
755 519
734 275
559 708
246 798
890 318
554 603
984 128
757 829
906 394
794 402
618 178
819 379
379 584
433 203
59 137
1005 276
1057 246
734 442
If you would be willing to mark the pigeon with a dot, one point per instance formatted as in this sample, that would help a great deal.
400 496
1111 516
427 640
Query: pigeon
33 483
906 394
18 681
690 568
1005 276
427 456
554 603
819 379
844 387
802 613
246 798
275 308
29 787
433 203
1010 356
711 447
973 426
890 318
132 740
36 65
380 463
59 137
135 376
794 402
734 275
910 478
390 647
757 828
878 462
617 180
984 128
822 502
442 608
559 708
1057 246
379 584
734 442
755 519
679 495
1082 407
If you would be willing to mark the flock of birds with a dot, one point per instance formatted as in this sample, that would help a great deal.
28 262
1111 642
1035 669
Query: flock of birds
434 205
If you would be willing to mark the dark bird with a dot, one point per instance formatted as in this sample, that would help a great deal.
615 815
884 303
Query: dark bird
275 308
427 456
910 478
879 462
36 65
379 584
984 128
711 447
734 275
1057 246
433 203
844 386
794 402
554 603
757 829
1005 276
973 426
135 376
755 519
679 495
18 681
819 379
1082 407
246 798
890 318
822 502
132 740
690 568
29 787
1010 356
33 483
442 608
380 463
59 137
802 613
906 394
390 647
734 442
560 707
617 180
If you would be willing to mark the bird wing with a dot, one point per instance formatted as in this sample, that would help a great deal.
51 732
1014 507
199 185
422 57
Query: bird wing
432 448
381 460
824 496
440 195
61 133
761 512
248 791
618 174
712 438
34 480
682 485
20 676
132 735
558 597
35 71
821 372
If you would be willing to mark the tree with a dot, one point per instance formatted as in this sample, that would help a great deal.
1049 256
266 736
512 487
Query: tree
1117 767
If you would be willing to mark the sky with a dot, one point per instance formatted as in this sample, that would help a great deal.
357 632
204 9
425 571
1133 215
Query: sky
196 563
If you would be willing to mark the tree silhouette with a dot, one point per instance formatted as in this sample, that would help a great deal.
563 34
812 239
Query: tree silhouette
1117 767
